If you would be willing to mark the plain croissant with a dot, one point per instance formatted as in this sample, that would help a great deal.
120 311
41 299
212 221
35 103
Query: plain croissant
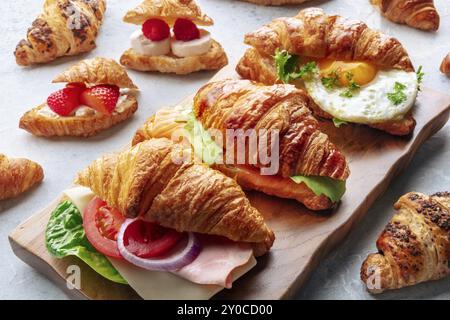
64 28
314 34
17 176
186 196
420 14
415 245
445 65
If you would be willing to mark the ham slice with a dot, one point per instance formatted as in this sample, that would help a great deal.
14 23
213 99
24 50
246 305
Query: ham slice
217 261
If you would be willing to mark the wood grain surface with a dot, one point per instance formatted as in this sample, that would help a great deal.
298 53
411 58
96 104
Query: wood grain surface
303 237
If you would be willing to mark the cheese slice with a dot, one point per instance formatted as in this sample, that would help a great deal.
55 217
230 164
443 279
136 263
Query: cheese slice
157 285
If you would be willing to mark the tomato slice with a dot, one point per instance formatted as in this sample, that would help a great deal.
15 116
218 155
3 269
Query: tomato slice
149 240
101 224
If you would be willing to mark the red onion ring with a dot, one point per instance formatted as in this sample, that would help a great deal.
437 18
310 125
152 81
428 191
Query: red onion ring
172 263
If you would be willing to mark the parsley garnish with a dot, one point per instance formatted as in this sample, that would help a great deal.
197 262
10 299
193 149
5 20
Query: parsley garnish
420 76
331 81
288 68
352 86
397 96
338 122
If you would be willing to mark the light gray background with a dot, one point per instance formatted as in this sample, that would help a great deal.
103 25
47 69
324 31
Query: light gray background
337 277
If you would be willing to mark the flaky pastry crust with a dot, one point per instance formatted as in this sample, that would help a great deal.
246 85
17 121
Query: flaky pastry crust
214 59
188 196
18 176
168 10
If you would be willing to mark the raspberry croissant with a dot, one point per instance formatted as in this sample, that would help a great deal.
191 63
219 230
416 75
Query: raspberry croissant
17 176
419 14
186 196
415 245
242 104
64 28
329 40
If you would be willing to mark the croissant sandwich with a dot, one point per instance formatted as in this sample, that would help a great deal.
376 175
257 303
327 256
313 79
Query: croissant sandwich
170 227
415 245
18 176
64 28
97 96
351 72
290 159
154 48
419 14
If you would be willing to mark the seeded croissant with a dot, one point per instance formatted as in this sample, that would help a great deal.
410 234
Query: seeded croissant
64 28
419 14
187 196
415 245
17 176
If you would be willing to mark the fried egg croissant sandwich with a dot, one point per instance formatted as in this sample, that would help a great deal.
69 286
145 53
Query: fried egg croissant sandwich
415 245
310 168
352 73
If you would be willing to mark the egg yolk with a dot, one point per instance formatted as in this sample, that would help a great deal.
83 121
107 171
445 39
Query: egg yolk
358 71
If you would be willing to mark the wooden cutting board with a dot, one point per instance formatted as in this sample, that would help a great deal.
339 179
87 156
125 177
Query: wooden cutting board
303 237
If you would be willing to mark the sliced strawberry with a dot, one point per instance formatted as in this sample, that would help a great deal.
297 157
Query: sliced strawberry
156 29
185 30
102 98
64 101
79 86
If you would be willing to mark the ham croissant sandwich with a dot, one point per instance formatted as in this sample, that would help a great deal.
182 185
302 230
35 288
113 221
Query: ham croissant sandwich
351 72
310 168
169 226
415 245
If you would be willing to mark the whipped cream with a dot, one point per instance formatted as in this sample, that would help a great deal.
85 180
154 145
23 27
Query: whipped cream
192 48
145 46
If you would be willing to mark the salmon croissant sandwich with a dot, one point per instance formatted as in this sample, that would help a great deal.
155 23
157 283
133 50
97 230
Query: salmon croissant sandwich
169 227
415 245
291 158
352 73
98 95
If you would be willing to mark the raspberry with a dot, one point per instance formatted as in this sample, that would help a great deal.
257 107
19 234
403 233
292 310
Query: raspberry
156 29
185 30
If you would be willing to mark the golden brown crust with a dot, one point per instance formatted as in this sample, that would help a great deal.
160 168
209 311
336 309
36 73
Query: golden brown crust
242 104
97 71
313 33
164 123
186 196
258 67
80 126
419 14
415 245
276 2
64 28
169 10
17 176
214 59
445 65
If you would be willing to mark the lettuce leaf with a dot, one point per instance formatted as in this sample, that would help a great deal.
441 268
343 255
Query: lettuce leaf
204 146
338 122
333 189
289 68
65 236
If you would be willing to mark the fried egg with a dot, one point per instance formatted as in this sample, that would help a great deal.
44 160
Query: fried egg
370 102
